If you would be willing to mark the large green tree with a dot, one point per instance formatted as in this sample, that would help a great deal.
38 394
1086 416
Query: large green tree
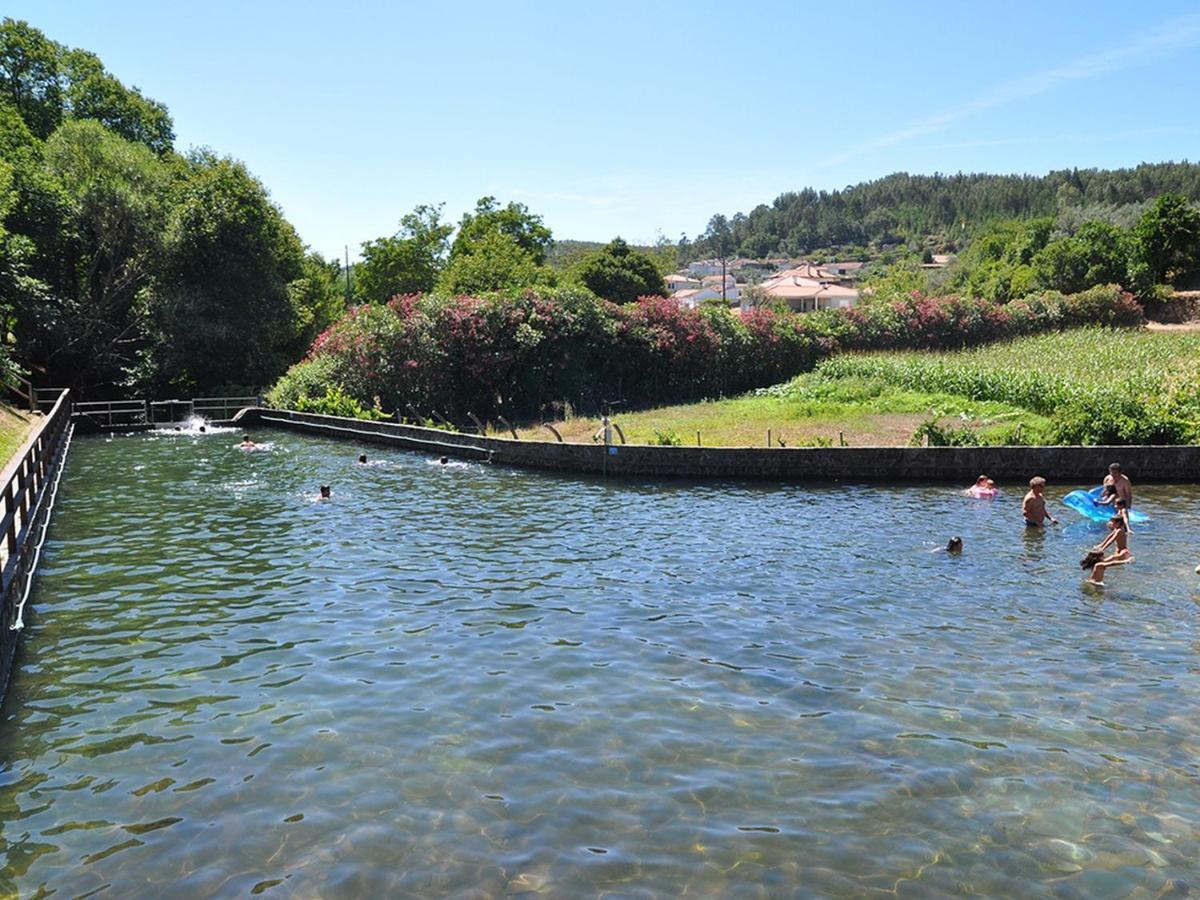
1098 253
29 76
223 315
619 273
1167 242
513 220
116 194
497 262
408 262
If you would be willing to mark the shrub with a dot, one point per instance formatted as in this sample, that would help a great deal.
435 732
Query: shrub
336 402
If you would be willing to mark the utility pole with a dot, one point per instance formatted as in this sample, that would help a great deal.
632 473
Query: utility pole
347 276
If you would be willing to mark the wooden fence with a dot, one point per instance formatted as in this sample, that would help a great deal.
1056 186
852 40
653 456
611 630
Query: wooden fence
27 497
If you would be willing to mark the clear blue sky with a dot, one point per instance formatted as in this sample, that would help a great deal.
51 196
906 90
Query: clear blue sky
639 118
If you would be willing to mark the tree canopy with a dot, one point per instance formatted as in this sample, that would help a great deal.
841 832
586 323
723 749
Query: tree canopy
619 273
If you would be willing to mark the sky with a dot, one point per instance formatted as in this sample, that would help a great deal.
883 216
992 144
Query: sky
640 119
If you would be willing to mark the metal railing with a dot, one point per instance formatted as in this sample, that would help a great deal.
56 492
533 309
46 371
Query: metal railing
27 498
124 413
113 413
227 406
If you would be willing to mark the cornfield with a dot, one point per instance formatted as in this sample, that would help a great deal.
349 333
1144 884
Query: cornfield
1099 385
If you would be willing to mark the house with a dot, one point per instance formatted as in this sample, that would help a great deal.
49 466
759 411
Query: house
939 261
844 269
808 288
681 281
711 290
702 267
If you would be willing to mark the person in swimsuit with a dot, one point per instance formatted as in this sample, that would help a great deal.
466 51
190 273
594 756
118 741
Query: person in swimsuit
1033 507
1121 486
983 487
1118 535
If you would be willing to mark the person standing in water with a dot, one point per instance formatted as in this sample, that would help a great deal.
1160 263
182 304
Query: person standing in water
1122 487
1118 535
1033 507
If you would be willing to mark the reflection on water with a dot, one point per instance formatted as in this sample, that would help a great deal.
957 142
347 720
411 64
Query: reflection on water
448 680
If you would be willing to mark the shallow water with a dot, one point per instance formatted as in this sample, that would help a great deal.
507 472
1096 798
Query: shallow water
475 679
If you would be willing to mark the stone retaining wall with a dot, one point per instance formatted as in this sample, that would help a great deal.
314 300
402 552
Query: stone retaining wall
954 464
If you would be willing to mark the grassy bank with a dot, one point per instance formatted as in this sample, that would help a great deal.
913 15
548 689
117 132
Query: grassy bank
1088 385
15 426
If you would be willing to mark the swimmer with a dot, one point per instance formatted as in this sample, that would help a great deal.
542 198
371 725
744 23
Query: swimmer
203 430
326 493
443 460
1120 556
1033 507
247 444
954 545
362 459
983 488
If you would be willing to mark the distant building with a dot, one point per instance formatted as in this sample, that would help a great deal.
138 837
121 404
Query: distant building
808 288
681 281
702 267
844 269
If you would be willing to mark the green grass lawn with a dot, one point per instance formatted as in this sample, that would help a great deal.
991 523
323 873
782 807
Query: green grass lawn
1088 386
15 426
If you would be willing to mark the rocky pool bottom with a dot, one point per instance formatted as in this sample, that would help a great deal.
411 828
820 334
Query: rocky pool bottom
474 680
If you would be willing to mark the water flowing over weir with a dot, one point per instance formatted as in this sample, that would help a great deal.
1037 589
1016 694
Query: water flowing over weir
470 678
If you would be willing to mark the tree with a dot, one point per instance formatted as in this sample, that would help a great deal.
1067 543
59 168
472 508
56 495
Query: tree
1098 253
92 93
514 220
116 197
317 301
497 262
29 76
1166 242
620 274
406 263
223 314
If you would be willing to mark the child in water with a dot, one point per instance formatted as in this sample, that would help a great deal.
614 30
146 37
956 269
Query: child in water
1118 534
983 488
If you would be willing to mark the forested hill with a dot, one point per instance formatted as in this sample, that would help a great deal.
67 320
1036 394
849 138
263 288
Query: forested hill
942 209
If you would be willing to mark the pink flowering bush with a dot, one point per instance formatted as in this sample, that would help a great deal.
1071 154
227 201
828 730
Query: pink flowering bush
528 354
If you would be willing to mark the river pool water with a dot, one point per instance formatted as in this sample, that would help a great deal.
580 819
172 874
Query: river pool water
471 680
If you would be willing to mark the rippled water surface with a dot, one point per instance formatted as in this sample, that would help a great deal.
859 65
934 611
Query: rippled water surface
477 680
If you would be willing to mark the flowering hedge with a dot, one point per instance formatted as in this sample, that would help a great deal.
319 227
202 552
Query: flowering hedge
527 355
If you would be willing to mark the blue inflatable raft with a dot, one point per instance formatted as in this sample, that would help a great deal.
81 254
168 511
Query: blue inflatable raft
1085 503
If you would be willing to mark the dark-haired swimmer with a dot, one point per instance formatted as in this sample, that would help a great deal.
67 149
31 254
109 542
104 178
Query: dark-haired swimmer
326 493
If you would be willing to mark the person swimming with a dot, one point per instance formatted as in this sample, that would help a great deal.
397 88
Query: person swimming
362 459
326 493
983 488
247 444
443 460
954 545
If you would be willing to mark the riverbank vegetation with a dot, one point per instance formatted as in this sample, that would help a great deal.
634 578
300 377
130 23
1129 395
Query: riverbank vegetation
533 354
1081 386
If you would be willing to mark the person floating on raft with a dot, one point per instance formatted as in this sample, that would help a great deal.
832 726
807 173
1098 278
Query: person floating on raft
983 488
1118 534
